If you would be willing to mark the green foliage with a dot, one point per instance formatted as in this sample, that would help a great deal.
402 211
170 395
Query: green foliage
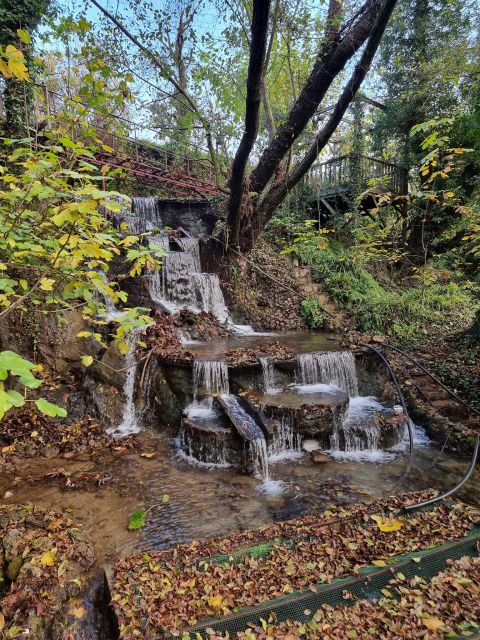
313 312
406 314
138 517
14 366
137 520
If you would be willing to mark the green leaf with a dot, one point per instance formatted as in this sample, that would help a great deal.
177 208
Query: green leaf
137 520
50 409
86 360
16 398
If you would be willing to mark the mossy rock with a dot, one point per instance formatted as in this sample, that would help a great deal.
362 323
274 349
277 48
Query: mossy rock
13 568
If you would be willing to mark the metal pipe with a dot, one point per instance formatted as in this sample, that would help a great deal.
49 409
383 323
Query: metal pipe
444 496
399 391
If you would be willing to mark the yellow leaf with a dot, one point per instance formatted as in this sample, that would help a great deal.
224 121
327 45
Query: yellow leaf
18 69
24 36
379 563
4 70
46 284
47 559
8 449
388 524
87 360
215 603
78 612
434 624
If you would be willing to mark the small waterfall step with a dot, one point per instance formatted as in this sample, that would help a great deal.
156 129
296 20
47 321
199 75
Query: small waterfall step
245 424
332 367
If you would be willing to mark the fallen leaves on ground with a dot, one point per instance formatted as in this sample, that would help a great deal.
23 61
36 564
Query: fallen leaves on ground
174 587
414 609
46 558
26 433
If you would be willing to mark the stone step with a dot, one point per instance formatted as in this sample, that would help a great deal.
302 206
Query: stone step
434 392
450 408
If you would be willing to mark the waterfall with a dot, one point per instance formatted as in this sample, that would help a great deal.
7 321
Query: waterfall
211 453
179 267
192 246
129 423
335 367
209 296
268 370
210 377
146 209
258 449
285 442
360 429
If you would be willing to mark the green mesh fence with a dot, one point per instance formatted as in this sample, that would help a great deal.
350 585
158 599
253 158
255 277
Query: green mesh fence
367 585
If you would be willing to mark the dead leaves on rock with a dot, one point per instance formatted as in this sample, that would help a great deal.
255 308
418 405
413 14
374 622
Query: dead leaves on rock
26 434
54 555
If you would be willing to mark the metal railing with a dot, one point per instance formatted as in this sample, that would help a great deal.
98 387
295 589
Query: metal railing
347 172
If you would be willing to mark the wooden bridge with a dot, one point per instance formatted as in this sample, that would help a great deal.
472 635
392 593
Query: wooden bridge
347 176
176 174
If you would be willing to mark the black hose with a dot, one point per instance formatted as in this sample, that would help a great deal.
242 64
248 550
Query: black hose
444 496
399 391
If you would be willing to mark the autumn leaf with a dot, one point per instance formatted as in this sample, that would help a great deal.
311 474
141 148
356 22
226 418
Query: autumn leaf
388 524
46 284
86 360
215 603
433 624
47 559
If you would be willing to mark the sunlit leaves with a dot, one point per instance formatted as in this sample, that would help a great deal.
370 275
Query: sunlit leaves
50 409
12 63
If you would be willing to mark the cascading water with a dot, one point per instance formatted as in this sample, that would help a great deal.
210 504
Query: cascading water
258 450
209 296
285 443
129 423
211 452
146 209
192 246
210 377
335 367
268 371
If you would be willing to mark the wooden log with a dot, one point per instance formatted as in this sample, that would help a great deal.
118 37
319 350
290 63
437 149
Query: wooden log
246 426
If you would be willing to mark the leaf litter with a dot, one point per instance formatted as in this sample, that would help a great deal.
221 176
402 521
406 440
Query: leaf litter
179 587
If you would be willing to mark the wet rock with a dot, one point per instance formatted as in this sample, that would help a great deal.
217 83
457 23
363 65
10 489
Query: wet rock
318 457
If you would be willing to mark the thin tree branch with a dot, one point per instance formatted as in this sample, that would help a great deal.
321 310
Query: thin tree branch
158 62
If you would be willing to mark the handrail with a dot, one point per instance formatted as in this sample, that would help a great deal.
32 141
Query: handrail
399 391
434 378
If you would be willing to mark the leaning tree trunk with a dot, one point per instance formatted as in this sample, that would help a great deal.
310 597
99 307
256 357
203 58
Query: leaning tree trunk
265 195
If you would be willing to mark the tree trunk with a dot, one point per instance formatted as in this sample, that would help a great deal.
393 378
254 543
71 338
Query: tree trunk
262 210
238 184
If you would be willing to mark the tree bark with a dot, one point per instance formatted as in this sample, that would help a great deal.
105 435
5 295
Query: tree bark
258 44
334 54
279 191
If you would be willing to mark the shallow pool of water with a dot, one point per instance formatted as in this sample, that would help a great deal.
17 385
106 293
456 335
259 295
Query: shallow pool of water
209 502
300 341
